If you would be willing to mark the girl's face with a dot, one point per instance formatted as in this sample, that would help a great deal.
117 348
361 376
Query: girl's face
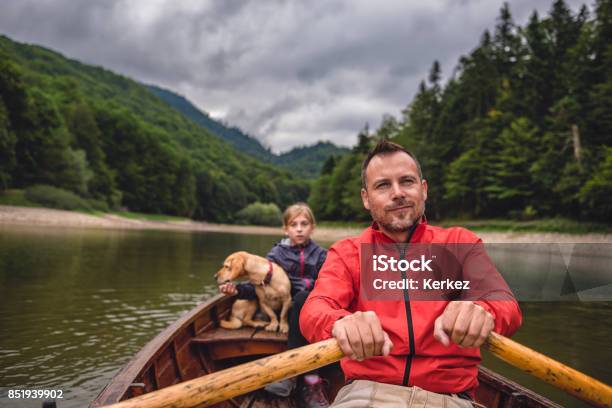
299 229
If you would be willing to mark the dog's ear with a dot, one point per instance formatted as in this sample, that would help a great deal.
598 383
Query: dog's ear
237 265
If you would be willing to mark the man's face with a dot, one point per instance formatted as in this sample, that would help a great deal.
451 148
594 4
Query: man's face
395 193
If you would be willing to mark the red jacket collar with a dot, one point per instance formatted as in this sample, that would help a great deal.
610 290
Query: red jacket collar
377 235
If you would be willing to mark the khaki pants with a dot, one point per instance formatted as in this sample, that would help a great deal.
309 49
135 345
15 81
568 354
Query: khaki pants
364 393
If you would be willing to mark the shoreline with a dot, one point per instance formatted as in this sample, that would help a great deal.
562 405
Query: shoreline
49 218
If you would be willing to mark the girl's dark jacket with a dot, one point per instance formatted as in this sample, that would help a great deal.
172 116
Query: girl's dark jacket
301 262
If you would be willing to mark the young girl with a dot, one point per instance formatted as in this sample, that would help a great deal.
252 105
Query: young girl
301 258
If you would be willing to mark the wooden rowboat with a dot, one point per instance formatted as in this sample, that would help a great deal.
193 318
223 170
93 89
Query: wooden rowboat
195 345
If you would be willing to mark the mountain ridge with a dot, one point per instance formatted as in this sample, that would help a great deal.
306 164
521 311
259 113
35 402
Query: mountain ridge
304 161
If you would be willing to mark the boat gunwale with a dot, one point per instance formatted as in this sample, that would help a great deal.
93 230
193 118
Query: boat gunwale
119 384
498 381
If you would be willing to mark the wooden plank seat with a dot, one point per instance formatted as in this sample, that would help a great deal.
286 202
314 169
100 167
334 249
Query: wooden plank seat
223 343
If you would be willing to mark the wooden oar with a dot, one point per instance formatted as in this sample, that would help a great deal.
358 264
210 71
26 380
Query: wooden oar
223 385
553 372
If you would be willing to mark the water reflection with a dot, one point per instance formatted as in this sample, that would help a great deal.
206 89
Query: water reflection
556 272
575 333
75 305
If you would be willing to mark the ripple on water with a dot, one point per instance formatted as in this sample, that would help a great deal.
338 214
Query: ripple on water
84 304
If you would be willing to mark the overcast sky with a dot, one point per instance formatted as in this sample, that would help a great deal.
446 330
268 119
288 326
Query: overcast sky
287 72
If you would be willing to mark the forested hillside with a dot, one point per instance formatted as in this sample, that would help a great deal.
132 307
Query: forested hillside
110 140
241 141
308 161
523 128
304 161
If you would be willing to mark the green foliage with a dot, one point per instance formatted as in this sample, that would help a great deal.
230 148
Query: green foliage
335 196
319 197
16 197
53 197
7 149
260 214
510 187
523 129
98 205
87 136
43 149
595 194
219 196
113 142
77 174
308 161
463 185
329 165
338 192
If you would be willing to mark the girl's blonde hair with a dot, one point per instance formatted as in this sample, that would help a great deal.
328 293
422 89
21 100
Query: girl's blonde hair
296 209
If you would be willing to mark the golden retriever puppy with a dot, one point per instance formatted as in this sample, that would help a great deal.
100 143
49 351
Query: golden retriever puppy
272 287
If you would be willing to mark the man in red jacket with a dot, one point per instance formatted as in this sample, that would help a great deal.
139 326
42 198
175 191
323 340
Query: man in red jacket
401 349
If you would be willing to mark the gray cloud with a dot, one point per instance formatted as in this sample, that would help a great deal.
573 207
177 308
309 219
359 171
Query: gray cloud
287 72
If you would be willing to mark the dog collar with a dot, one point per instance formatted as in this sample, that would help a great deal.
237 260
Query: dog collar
268 277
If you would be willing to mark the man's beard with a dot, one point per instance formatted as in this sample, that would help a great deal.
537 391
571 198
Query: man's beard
398 224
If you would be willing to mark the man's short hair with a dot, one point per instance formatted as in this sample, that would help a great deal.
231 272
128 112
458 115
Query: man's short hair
384 147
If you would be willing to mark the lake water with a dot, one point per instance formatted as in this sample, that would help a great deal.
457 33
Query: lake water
76 305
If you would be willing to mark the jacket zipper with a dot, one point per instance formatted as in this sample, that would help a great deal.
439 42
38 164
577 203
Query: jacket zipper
302 262
408 314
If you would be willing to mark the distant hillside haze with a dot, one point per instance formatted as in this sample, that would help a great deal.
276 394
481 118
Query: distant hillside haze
303 161
233 135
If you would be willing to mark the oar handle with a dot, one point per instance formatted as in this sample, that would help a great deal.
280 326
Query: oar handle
545 368
223 385
231 382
